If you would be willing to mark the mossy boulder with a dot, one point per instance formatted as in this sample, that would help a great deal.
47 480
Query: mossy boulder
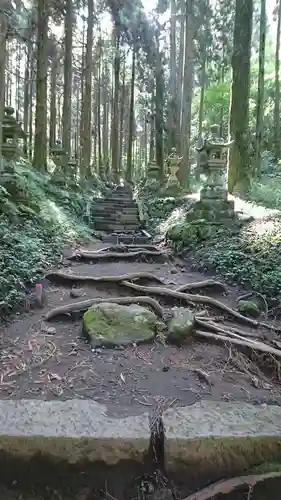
181 325
110 325
248 308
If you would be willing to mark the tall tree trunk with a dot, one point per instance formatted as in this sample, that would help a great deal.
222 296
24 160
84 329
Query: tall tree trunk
26 95
99 110
31 106
159 104
53 103
173 79
129 169
260 100
67 87
180 72
277 86
87 96
40 141
152 128
188 82
115 115
122 114
239 162
201 107
3 34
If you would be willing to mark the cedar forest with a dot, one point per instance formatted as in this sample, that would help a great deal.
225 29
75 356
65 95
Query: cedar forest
120 83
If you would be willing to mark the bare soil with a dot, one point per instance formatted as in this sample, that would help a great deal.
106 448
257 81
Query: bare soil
52 360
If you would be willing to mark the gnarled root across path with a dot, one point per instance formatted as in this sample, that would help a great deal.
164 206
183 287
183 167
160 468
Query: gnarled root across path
218 332
59 276
224 487
83 305
195 299
100 256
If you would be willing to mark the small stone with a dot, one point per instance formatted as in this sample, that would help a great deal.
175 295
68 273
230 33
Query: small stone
50 330
174 270
248 308
76 293
181 325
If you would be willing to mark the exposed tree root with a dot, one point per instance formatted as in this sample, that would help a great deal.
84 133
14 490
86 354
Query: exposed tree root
197 299
225 487
224 330
59 276
258 346
83 305
121 247
114 255
201 284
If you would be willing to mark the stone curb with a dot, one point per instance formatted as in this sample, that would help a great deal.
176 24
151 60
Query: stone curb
206 440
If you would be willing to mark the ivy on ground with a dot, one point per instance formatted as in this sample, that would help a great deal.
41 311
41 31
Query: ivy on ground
37 217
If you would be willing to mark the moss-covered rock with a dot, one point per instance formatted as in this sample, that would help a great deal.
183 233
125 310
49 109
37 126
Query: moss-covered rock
109 325
181 325
248 308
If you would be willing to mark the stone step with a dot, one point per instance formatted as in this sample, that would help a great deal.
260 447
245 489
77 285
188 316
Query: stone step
108 204
108 210
127 239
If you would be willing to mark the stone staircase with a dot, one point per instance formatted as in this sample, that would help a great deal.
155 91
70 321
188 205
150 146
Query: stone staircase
117 214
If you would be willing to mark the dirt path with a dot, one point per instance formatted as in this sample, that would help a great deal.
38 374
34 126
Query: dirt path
51 360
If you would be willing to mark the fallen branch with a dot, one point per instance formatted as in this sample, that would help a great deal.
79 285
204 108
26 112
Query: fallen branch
257 346
84 305
114 255
225 487
199 299
61 276
201 284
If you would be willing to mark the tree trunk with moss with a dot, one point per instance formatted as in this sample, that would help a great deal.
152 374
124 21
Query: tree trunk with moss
116 111
131 119
239 160
260 101
67 87
188 84
40 140
87 98
53 98
3 33
277 86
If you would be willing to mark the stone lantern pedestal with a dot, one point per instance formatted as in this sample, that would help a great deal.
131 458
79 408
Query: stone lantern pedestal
153 171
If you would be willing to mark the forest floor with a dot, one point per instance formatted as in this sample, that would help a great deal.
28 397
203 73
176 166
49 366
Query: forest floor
51 360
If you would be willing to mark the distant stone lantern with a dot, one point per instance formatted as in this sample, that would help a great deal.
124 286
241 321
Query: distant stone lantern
11 133
58 154
215 186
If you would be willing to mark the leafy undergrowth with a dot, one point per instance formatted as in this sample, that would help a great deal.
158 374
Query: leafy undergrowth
248 254
38 216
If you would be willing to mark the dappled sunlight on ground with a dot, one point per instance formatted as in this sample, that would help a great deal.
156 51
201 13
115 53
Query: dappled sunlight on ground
243 208
252 209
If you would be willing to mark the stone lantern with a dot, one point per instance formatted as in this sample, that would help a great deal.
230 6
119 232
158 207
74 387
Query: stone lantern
214 194
72 167
173 164
59 159
11 133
